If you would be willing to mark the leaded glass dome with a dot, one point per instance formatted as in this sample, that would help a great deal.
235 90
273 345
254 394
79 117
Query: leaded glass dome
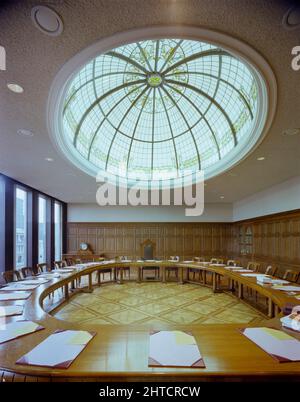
160 108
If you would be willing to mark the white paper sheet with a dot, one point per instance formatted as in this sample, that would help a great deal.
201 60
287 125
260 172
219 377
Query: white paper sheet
277 343
7 311
19 287
174 348
16 329
14 296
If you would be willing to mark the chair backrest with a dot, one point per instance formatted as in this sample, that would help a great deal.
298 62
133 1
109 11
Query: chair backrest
69 261
78 261
291 275
43 267
232 263
254 266
58 264
148 249
199 259
11 276
270 270
216 261
27 271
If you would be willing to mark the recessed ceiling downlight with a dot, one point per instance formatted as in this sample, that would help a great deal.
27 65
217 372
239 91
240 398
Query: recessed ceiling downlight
25 133
291 19
47 20
161 109
16 88
291 131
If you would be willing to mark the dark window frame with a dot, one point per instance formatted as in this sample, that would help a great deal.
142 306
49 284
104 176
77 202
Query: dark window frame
7 230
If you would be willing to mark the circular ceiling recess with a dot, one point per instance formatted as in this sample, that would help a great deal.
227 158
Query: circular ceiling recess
291 19
47 20
158 109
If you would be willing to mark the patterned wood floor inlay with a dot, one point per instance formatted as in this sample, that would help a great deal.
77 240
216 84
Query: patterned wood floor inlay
156 304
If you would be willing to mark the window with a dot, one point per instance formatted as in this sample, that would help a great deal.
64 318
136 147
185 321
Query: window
160 109
42 246
57 230
20 228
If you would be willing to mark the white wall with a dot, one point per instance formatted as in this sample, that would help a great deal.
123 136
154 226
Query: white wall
280 198
95 213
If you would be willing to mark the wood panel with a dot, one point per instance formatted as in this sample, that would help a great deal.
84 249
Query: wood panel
275 239
184 239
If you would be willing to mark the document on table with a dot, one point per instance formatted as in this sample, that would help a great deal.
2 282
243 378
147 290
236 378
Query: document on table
19 286
58 350
50 276
14 296
243 270
17 329
281 346
39 281
287 288
7 311
233 268
255 275
174 349
279 281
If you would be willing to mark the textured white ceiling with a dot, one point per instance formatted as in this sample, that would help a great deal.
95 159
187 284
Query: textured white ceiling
33 59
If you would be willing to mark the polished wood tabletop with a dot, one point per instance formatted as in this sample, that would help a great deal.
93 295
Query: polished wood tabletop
120 352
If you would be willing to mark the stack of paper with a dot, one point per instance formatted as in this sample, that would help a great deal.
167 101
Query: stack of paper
58 350
17 329
174 349
291 321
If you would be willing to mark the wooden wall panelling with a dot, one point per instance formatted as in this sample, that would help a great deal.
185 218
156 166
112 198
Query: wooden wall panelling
183 239
275 239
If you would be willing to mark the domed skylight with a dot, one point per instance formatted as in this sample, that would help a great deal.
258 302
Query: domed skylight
160 108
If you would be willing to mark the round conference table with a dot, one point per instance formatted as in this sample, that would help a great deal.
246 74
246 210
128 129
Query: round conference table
120 352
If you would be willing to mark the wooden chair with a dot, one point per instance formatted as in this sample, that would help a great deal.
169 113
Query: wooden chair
216 261
170 270
253 266
233 263
196 271
27 271
291 275
69 261
43 267
127 268
148 251
199 259
11 276
59 264
103 272
270 270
